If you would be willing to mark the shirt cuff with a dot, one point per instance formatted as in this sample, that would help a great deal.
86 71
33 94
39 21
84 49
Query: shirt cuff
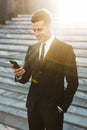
60 108
18 78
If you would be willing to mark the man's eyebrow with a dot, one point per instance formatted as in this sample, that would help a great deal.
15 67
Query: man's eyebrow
39 29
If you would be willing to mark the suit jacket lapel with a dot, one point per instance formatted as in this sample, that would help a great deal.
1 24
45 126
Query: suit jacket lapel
36 51
49 53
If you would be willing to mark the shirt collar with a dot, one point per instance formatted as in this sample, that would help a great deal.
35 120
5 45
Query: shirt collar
50 40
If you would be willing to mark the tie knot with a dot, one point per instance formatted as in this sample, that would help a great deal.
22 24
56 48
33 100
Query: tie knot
43 44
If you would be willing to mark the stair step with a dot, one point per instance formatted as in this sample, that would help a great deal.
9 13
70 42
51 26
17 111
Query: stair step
23 89
12 81
80 102
21 19
17 41
78 45
12 102
73 38
4 79
12 49
6 64
16 31
24 15
81 95
78 110
13 57
80 53
82 88
76 120
14 53
25 27
12 110
68 126
82 61
81 75
18 22
18 36
19 123
71 31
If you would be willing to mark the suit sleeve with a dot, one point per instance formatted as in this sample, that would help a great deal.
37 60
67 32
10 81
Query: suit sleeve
70 72
27 74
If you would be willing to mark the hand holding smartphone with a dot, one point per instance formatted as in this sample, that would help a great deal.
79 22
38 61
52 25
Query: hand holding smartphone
16 65
18 70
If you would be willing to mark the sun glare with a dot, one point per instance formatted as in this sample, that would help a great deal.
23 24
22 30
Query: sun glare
72 12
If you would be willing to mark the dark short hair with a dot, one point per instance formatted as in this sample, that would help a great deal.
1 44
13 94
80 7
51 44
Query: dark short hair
41 14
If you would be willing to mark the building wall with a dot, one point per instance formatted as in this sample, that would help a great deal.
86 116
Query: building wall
6 10
10 8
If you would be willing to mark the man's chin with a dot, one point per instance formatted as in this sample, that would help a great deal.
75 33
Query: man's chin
39 40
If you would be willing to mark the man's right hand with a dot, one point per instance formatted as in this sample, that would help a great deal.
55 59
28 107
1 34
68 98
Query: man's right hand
18 72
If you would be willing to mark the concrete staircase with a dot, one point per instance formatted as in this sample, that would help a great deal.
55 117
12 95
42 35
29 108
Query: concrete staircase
15 37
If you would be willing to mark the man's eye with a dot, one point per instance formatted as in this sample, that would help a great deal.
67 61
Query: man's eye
40 29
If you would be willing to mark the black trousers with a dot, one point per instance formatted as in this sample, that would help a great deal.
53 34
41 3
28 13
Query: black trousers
45 116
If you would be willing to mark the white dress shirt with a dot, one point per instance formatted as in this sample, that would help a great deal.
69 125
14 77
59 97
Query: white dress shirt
47 45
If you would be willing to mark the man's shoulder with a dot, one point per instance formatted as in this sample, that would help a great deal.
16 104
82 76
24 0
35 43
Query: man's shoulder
34 45
62 44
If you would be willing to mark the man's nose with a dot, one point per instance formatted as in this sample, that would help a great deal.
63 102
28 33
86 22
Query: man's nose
36 33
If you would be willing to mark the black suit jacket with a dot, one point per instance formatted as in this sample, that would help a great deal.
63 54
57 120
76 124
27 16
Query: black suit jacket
47 83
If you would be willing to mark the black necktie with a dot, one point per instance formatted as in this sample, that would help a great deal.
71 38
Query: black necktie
42 54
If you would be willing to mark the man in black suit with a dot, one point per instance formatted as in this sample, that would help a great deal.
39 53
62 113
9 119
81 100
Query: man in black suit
48 63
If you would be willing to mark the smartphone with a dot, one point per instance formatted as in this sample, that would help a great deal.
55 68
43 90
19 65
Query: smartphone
16 65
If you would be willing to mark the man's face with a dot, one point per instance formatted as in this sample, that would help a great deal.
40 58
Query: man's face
42 31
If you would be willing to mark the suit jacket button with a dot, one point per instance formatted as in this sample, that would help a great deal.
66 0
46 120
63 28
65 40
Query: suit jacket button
40 72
